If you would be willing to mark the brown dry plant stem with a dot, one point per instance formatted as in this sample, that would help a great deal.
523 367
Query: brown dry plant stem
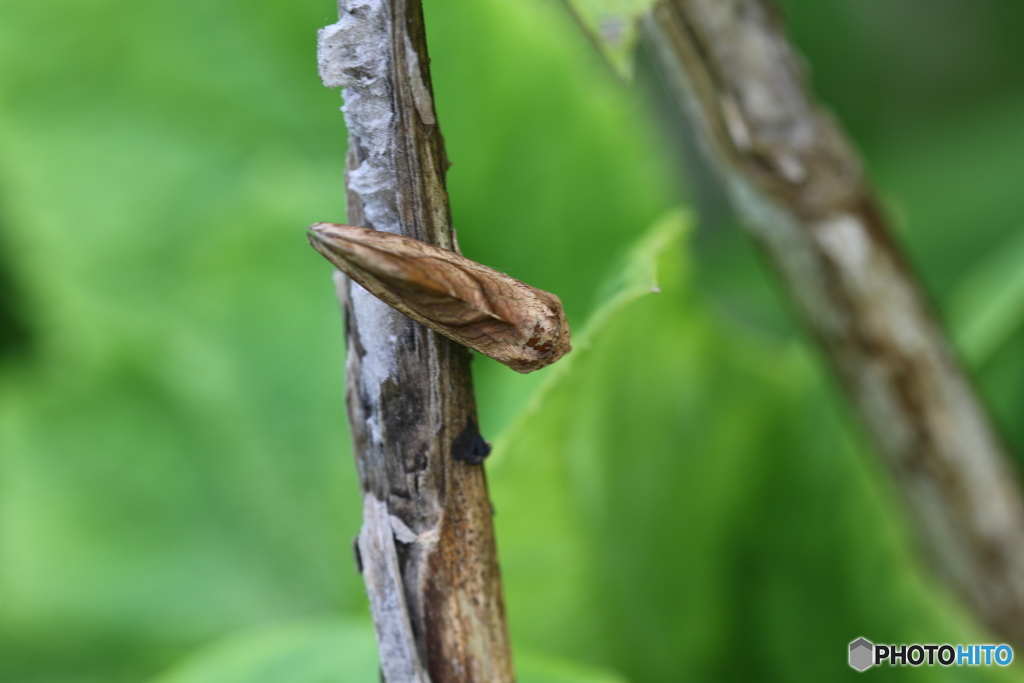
800 189
426 549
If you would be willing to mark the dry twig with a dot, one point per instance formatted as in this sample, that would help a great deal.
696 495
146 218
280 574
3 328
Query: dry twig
426 548
800 189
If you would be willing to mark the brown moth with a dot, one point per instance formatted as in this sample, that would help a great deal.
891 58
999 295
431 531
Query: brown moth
501 317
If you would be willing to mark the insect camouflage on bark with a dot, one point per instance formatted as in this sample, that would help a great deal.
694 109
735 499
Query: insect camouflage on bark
515 324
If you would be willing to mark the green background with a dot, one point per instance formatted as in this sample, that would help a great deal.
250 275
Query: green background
683 498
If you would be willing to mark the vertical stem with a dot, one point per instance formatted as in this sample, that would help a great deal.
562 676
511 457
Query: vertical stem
427 548
800 188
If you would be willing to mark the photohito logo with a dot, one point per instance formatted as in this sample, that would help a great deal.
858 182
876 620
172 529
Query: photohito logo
864 654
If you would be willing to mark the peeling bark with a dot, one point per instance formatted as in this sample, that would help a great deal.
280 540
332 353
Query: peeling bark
427 545
800 188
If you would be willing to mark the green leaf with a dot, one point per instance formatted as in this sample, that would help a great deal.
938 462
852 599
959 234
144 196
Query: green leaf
635 276
532 667
679 489
988 306
637 272
334 651
612 25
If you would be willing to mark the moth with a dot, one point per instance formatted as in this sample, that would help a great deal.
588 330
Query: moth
510 321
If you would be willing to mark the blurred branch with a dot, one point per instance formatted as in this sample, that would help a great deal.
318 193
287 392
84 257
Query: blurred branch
800 188
427 549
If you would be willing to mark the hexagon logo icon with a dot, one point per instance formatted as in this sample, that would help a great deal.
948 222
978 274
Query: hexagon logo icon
862 654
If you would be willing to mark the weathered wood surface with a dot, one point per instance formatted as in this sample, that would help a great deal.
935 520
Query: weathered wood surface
427 547
800 188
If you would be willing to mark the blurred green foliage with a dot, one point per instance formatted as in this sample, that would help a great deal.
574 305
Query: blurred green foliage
682 498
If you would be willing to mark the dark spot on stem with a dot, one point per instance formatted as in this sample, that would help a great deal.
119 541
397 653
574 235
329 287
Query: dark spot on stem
469 446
